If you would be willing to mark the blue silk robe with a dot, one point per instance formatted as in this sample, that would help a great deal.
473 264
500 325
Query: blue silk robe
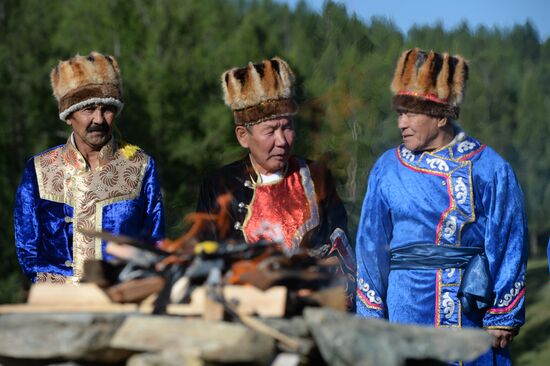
59 193
464 194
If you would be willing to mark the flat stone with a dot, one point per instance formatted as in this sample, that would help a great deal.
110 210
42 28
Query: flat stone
167 358
286 359
344 339
70 336
206 340
294 327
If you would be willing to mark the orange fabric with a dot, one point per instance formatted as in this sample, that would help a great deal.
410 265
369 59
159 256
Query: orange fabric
279 210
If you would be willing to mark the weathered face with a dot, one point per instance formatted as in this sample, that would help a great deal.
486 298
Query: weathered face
269 143
421 132
92 125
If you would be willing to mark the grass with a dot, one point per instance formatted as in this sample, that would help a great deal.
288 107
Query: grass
532 345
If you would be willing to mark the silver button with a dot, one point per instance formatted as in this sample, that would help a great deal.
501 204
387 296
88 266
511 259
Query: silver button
68 219
242 207
248 184
68 263
443 183
237 226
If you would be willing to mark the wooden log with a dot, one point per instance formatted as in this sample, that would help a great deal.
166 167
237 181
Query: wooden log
136 290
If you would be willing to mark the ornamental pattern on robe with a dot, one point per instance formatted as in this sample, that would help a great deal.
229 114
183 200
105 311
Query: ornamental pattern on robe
461 195
457 175
285 210
63 177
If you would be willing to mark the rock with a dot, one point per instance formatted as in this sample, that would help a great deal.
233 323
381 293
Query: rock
166 358
206 340
344 339
294 327
297 329
286 359
74 336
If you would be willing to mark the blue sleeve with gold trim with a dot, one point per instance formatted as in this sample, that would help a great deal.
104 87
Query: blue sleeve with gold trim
27 227
505 246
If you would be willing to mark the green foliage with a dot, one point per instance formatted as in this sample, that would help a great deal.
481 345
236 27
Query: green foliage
532 345
172 54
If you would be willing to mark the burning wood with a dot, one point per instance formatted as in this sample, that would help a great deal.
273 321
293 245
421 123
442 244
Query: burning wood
173 269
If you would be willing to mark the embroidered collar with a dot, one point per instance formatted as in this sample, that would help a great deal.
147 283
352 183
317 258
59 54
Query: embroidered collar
462 148
73 157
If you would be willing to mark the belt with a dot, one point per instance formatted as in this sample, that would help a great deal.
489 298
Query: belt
476 288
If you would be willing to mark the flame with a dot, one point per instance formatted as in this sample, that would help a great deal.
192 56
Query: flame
200 221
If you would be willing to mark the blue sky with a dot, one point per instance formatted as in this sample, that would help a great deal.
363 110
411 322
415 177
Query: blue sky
490 13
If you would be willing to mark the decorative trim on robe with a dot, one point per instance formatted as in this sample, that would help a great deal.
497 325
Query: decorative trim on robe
510 300
64 177
276 210
450 163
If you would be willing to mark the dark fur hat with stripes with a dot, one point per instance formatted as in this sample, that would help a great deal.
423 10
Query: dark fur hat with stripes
260 92
84 80
429 83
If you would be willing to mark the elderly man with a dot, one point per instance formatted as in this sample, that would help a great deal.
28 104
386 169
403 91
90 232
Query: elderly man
93 182
275 195
441 239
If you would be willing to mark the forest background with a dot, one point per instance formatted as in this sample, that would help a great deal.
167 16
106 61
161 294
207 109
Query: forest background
172 53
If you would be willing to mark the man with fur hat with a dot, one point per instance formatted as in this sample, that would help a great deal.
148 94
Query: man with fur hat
441 239
275 195
91 183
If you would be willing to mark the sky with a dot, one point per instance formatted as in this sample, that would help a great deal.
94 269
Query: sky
490 13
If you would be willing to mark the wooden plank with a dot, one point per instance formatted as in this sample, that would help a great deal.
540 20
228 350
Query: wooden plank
249 300
86 297
68 308
67 294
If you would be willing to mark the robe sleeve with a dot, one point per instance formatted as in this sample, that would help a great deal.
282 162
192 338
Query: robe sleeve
154 216
373 240
506 249
207 204
27 225
331 238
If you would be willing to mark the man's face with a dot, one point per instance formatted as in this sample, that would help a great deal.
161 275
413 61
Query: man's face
92 125
420 132
269 143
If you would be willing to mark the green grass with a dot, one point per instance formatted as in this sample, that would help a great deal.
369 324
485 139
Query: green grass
532 345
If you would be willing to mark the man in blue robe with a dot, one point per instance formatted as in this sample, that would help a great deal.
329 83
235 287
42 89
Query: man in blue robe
441 239
91 183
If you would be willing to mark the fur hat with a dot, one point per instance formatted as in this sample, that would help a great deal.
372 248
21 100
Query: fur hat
85 80
259 92
429 83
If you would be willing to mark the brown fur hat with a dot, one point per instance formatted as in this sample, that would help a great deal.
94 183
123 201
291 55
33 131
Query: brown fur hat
259 92
85 80
429 83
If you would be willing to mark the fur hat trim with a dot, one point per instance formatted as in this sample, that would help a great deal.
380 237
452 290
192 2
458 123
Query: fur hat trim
259 92
104 101
270 109
436 80
85 80
416 104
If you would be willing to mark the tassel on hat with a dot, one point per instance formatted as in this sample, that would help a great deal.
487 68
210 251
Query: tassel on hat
86 80
429 83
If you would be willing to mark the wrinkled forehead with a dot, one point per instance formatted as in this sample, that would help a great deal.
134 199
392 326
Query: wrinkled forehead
277 123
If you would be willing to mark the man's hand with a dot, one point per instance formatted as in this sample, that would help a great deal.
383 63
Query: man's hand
501 337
